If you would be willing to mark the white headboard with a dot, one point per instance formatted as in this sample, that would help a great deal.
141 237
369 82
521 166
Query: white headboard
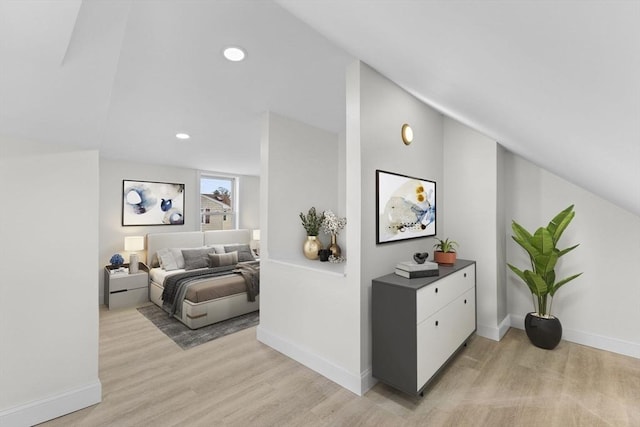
194 239
226 237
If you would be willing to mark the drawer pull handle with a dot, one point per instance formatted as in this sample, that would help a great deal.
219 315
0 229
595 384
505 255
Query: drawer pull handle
436 290
465 274
465 301
436 323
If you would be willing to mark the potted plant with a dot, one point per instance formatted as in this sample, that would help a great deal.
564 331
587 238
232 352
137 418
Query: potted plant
311 223
543 329
445 252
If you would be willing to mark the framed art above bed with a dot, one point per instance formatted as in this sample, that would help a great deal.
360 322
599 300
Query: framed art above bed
152 203
405 207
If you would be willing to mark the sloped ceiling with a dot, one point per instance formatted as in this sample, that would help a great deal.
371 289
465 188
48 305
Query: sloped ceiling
554 81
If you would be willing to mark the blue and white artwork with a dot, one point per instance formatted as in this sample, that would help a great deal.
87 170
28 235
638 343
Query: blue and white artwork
406 207
152 203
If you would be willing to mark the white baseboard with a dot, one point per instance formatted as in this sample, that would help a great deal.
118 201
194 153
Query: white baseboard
601 342
357 384
492 332
53 407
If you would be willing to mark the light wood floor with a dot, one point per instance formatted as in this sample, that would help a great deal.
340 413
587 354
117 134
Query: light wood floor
147 380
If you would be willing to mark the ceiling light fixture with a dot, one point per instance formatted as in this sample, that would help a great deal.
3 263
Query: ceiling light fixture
234 54
182 136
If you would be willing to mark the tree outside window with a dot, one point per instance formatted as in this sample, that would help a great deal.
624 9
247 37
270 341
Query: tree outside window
217 201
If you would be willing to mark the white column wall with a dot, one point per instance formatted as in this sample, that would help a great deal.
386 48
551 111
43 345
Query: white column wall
49 306
383 108
308 309
473 210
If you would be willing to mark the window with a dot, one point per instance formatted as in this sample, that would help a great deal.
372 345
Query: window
217 203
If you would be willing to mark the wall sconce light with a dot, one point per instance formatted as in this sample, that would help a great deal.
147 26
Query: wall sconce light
133 244
407 134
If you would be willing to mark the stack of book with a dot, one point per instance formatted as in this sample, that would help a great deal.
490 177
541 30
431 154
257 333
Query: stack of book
413 270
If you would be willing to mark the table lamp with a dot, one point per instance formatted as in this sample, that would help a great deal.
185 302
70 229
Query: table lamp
133 244
256 238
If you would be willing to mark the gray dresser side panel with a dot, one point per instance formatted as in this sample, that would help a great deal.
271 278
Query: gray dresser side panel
394 348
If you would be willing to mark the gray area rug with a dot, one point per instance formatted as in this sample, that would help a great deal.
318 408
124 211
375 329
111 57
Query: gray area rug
187 338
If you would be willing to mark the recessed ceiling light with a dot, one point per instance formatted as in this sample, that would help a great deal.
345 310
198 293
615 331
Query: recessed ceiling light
182 136
234 54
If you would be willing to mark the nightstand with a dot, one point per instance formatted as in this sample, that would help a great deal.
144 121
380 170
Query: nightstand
126 290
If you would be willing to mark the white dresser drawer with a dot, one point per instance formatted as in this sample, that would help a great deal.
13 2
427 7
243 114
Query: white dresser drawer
435 296
129 298
441 334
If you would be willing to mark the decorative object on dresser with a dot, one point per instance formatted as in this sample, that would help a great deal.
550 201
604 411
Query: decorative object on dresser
123 290
413 270
332 224
418 325
406 207
133 244
152 203
543 329
420 257
312 223
445 252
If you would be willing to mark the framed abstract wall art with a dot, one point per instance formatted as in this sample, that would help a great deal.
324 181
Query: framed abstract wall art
152 203
405 207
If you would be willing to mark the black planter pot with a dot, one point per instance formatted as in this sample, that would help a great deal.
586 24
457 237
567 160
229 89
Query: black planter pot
542 332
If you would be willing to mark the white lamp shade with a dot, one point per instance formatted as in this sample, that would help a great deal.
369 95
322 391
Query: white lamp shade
133 243
256 235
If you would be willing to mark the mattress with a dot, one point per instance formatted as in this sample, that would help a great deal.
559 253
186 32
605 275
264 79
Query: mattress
205 289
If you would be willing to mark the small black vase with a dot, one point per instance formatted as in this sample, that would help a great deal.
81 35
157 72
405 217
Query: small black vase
324 254
542 332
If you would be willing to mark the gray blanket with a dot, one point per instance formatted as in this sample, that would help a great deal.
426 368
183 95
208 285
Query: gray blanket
251 274
176 286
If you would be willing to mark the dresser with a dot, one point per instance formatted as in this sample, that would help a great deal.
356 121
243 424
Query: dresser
123 290
418 325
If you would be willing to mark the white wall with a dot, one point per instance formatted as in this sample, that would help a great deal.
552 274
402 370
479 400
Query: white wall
112 233
48 308
600 308
308 309
473 217
383 108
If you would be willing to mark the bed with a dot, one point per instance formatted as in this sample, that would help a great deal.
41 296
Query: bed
203 303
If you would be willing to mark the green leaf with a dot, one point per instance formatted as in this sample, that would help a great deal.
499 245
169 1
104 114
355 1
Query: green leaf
562 283
564 251
522 275
520 232
526 246
542 241
560 222
545 264
519 272
536 283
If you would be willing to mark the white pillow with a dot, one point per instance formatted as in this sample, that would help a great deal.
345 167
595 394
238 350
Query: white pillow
218 248
167 260
177 255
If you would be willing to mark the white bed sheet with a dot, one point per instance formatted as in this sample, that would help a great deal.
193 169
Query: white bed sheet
158 274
